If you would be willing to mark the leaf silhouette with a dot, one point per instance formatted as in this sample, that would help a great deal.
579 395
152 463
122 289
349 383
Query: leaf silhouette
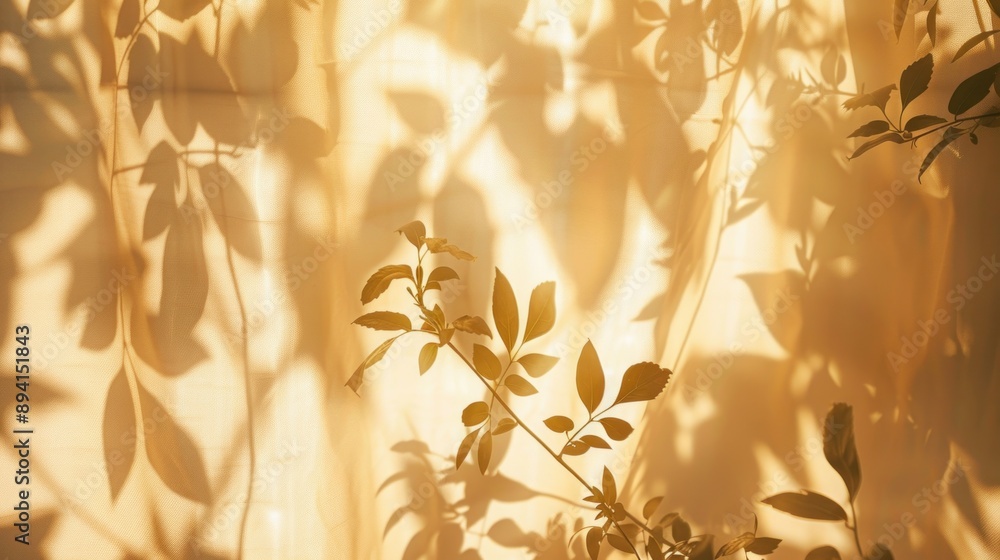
421 111
972 42
357 378
128 18
475 413
833 67
595 534
181 10
574 448
922 121
651 11
465 447
172 453
541 311
950 135
415 233
441 274
232 210
380 280
486 362
473 325
915 79
519 385
441 245
642 382
823 553
537 365
427 356
608 487
597 442
891 137
505 311
839 448
160 170
559 424
385 321
972 90
616 428
739 543
763 546
503 426
807 505
651 506
877 98
590 378
119 433
932 23
485 452
870 129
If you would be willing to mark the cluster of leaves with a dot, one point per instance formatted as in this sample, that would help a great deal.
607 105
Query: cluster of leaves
842 454
510 372
914 81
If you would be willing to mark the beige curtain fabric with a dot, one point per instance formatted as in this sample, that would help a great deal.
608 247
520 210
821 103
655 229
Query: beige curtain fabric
194 193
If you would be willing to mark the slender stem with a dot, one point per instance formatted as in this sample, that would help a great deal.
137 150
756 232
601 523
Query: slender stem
854 529
628 540
952 122
539 440
585 424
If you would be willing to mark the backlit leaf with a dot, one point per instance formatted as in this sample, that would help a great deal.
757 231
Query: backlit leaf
519 385
473 325
597 442
559 424
379 282
465 447
476 413
972 90
616 428
485 452
385 321
608 487
414 232
590 378
922 121
541 311
485 361
651 506
594 537
503 426
642 382
575 448
975 40
915 79
537 365
890 137
619 542
427 356
737 544
357 378
839 447
505 311
441 274
870 129
763 546
807 505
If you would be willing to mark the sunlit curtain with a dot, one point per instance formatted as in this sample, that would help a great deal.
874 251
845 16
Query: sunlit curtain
194 193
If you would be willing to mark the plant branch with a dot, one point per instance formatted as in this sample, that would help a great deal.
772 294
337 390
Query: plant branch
854 529
624 536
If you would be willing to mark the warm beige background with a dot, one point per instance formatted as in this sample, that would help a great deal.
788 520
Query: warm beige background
231 173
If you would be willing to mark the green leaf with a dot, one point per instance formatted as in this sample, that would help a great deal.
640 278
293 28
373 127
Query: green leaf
597 442
503 426
594 537
950 135
465 447
559 424
870 129
541 311
608 487
915 79
975 40
385 321
519 385
737 544
923 121
651 506
380 280
537 365
414 232
823 553
473 325
442 274
762 546
890 137
971 91
839 448
807 505
476 413
485 452
590 378
616 428
505 311
642 382
486 362
427 356
877 98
